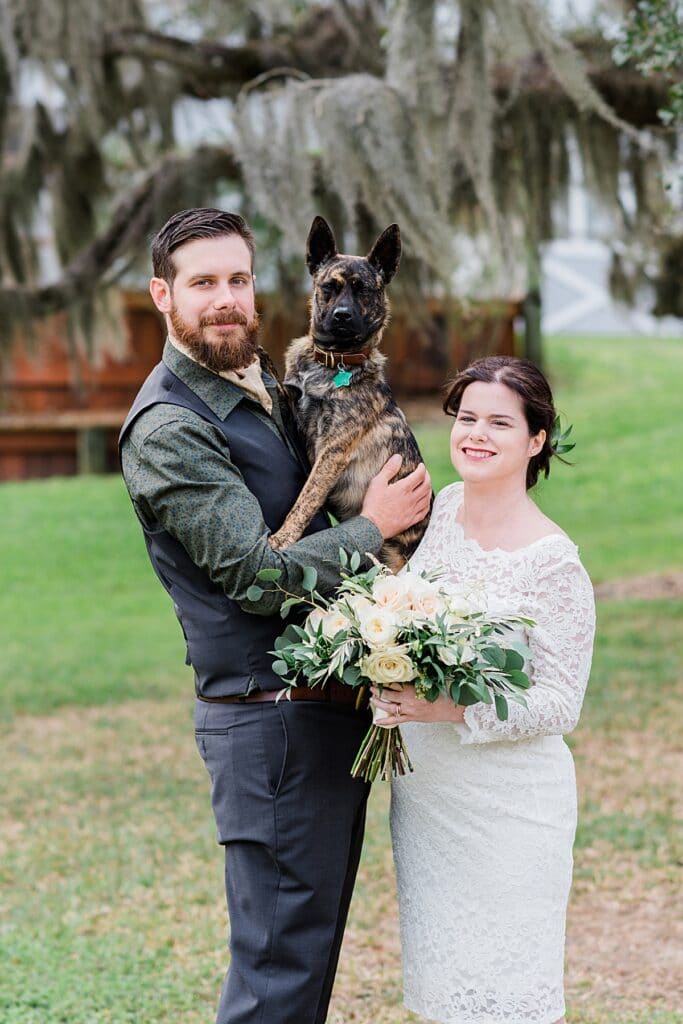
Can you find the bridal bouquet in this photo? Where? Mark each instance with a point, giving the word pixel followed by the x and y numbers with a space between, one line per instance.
pixel 391 630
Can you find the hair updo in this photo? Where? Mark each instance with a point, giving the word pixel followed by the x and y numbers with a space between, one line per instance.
pixel 527 381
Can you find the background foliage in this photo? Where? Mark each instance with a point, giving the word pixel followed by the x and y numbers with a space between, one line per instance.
pixel 457 118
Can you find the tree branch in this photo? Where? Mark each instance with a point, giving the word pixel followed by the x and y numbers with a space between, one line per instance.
pixel 323 46
pixel 155 197
pixel 326 47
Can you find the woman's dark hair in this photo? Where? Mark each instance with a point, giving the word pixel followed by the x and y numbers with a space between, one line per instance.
pixel 188 225
pixel 528 382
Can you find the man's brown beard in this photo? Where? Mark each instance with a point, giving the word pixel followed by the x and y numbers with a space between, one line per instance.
pixel 232 352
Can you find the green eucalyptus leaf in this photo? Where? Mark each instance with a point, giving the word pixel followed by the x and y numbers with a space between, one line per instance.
pixel 518 698
pixel 501 707
pixel 292 633
pixel 513 660
pixel 310 578
pixel 520 679
pixel 254 592
pixel 269 575
pixel 495 656
pixel 466 696
pixel 287 605
pixel 351 675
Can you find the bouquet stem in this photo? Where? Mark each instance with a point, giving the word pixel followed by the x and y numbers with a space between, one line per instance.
pixel 382 753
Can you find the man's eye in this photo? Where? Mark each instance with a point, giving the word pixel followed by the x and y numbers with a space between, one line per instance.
pixel 203 281
pixel 239 282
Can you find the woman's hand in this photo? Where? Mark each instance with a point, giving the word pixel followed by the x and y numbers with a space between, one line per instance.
pixel 402 705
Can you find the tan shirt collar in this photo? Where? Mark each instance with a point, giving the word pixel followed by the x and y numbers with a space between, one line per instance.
pixel 248 378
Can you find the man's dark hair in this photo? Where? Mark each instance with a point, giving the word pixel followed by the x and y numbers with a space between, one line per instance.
pixel 188 225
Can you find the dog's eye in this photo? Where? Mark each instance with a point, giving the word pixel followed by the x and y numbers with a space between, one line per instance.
pixel 329 288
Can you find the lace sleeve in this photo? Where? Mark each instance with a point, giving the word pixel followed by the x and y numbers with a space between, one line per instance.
pixel 561 645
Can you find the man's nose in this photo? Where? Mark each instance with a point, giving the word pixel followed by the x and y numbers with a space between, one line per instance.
pixel 223 296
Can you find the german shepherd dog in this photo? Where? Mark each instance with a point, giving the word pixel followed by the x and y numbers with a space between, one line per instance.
pixel 344 407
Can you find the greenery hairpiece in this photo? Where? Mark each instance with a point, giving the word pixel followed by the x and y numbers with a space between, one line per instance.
pixel 558 440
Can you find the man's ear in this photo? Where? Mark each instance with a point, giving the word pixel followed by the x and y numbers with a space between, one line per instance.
pixel 320 245
pixel 385 254
pixel 160 290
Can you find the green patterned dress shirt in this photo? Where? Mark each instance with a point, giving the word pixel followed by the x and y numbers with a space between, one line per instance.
pixel 180 477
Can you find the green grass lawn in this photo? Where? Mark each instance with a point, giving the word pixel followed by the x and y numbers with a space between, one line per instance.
pixel 84 619
pixel 110 879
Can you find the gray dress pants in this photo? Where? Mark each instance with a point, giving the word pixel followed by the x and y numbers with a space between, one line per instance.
pixel 291 820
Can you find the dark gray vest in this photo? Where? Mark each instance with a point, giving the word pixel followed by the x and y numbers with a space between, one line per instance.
pixel 227 647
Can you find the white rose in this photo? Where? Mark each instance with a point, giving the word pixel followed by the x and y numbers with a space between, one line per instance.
pixel 459 607
pixel 333 622
pixel 449 656
pixel 430 604
pixel 358 603
pixel 425 598
pixel 387 666
pixel 314 619
pixel 378 626
pixel 389 592
pixel 416 587
pixel 468 654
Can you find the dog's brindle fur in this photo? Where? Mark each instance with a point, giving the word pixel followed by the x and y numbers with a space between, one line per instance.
pixel 350 431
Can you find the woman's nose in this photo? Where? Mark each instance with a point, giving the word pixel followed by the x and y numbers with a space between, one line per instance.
pixel 478 431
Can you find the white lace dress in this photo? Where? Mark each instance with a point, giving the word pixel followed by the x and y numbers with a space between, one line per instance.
pixel 484 827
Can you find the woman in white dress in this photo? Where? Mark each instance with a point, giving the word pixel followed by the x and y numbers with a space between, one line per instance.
pixel 483 829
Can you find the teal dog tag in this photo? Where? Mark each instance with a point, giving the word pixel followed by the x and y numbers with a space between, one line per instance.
pixel 342 378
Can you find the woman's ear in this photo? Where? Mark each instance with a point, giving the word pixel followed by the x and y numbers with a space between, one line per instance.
pixel 536 443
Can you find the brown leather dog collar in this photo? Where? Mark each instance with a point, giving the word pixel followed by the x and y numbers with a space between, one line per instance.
pixel 334 359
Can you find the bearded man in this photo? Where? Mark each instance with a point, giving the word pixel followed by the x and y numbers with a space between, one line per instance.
pixel 213 463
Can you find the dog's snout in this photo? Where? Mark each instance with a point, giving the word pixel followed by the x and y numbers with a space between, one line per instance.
pixel 342 315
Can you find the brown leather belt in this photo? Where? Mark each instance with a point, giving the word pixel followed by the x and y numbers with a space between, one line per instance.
pixel 331 693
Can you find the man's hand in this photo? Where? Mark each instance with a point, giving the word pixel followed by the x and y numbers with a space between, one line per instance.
pixel 395 507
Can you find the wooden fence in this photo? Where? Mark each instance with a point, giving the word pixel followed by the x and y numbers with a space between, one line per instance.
pixel 60 414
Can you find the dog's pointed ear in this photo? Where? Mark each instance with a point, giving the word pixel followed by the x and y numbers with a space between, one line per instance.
pixel 385 254
pixel 320 244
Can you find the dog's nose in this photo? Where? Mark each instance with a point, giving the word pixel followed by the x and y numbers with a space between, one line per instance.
pixel 341 315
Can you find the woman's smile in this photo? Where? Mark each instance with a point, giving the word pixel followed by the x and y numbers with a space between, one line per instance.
pixel 477 453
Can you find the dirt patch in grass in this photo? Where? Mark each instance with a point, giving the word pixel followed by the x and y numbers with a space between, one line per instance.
pixel 643 588
pixel 625 923
pixel 624 939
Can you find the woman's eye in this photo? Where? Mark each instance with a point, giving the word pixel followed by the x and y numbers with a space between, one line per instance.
pixel 466 419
